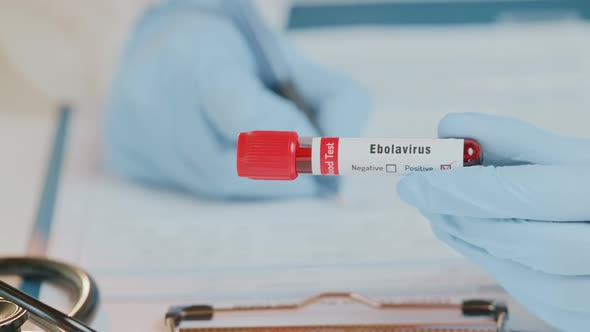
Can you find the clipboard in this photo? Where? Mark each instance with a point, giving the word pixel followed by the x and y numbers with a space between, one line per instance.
pixel 347 312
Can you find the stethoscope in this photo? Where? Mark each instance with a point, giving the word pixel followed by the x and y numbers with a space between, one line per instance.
pixel 16 307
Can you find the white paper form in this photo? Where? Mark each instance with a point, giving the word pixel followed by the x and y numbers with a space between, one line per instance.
pixel 150 249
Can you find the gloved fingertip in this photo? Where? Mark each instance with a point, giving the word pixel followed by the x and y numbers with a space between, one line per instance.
pixel 457 124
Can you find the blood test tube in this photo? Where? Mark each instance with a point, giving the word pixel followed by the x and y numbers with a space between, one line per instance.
pixel 283 155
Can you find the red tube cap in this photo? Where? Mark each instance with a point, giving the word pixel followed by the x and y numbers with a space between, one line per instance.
pixel 267 155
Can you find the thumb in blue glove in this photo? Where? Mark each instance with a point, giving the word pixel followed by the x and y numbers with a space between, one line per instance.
pixel 523 216
pixel 188 84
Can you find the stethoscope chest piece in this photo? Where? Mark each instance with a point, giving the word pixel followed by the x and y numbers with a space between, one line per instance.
pixel 12 317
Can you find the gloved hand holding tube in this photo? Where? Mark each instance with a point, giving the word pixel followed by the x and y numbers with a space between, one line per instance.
pixel 524 216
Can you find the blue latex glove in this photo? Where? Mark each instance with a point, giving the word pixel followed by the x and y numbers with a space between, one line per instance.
pixel 189 83
pixel 523 218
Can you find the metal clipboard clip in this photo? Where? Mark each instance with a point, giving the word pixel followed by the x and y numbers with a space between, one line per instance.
pixel 335 312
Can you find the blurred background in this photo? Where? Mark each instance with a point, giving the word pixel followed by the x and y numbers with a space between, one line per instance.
pixel 418 60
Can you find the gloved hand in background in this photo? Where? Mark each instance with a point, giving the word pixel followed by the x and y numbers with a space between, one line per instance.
pixel 189 83
pixel 524 218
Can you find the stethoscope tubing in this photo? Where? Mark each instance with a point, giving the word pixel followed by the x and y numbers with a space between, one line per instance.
pixel 45 316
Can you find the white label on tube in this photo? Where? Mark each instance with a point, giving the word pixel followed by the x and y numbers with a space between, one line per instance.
pixel 342 156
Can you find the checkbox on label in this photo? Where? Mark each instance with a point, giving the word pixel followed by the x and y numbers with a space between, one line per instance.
pixel 391 168
pixel 444 167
